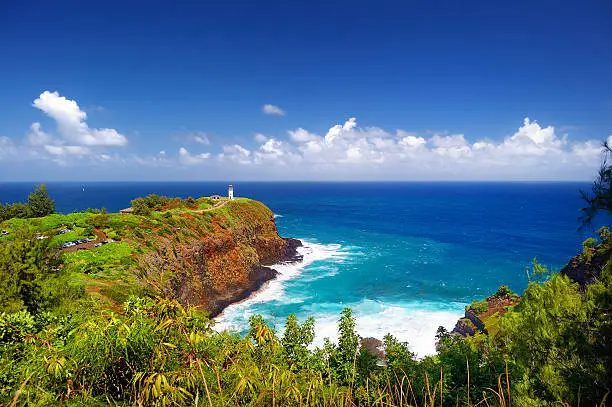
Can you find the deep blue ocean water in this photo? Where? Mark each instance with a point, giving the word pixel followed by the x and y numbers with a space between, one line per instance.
pixel 407 257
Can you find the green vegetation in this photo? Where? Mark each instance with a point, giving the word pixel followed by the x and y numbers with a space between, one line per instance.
pixel 504 292
pixel 30 275
pixel 479 307
pixel 599 199
pixel 144 206
pixel 61 345
pixel 39 204
pixel 553 346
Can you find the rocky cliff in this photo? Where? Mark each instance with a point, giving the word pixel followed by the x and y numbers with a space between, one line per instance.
pixel 586 269
pixel 213 258
pixel 482 316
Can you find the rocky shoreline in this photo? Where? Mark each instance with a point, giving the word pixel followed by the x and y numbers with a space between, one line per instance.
pixel 258 277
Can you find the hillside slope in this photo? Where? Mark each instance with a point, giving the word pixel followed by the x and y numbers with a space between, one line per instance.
pixel 200 252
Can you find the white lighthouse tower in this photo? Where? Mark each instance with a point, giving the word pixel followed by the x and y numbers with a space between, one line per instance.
pixel 230 192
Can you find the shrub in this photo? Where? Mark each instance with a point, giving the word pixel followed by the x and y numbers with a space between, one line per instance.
pixel 191 202
pixel 140 207
pixel 588 249
pixel 101 220
pixel 504 292
pixel 40 203
pixel 479 307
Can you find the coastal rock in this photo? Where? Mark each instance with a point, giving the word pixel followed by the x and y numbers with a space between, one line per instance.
pixel 374 347
pixel 217 258
pixel 485 320
pixel 465 327
pixel 583 272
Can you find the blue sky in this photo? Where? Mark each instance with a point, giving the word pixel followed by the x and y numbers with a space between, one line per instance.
pixel 438 90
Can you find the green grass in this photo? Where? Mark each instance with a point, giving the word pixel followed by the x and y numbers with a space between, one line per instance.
pixel 15 224
pixel 479 307
pixel 492 323
pixel 113 259
pixel 58 221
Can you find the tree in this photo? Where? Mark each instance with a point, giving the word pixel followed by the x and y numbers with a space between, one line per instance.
pixel 40 203
pixel 16 210
pixel 348 345
pixel 25 263
pixel 296 340
pixel 191 202
pixel 504 292
pixel 600 197
pixel 101 220
pixel 540 333
pixel 140 207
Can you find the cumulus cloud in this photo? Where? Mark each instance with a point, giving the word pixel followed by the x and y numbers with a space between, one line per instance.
pixel 37 137
pixel 301 135
pixel 260 138
pixel 186 158
pixel 71 122
pixel 346 150
pixel 7 147
pixel 349 151
pixel 409 140
pixel 338 130
pixel 62 151
pixel 276 152
pixel 235 153
pixel 273 110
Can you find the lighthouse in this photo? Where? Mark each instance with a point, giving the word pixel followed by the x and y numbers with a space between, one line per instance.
pixel 230 192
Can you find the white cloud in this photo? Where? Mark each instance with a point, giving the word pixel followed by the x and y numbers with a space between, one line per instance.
pixel 531 139
pixel 260 138
pixel 301 136
pixel 235 153
pixel 455 146
pixel 273 110
pixel 345 151
pixel 201 139
pixel 7 147
pixel 276 152
pixel 198 137
pixel 62 151
pixel 37 137
pixel 410 140
pixel 159 160
pixel 349 151
pixel 338 130
pixel 453 141
pixel 71 123
pixel 271 149
pixel 187 158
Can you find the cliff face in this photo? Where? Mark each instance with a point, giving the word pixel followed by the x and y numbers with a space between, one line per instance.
pixel 585 272
pixel 483 316
pixel 211 259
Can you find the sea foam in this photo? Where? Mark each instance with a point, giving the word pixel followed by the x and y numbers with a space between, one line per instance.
pixel 414 322
pixel 234 316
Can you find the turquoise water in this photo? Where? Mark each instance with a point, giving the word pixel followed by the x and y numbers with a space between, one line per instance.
pixel 407 257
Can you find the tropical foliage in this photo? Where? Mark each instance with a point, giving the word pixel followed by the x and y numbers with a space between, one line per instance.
pixel 39 204
pixel 553 346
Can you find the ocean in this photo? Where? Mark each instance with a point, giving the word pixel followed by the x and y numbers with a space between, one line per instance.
pixel 406 257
